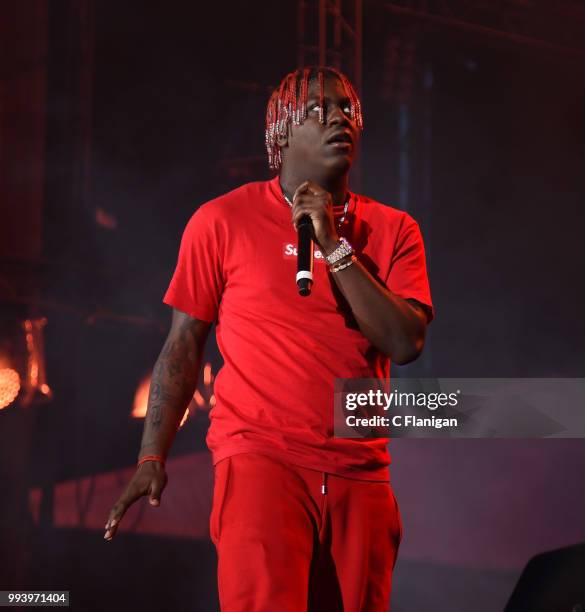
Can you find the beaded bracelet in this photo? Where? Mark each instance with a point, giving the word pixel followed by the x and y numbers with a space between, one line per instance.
pixel 342 266
pixel 146 458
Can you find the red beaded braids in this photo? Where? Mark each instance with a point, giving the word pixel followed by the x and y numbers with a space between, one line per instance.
pixel 288 103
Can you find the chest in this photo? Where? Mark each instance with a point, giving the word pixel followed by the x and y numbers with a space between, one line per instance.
pixel 261 266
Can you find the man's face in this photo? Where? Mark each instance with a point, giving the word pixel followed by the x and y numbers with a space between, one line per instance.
pixel 329 146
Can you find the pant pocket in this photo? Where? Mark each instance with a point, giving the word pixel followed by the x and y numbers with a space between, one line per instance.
pixel 221 478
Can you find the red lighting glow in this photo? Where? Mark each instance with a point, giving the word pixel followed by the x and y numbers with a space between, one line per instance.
pixel 203 398
pixel 141 398
pixel 185 417
pixel 9 386
pixel 207 375
pixel 36 376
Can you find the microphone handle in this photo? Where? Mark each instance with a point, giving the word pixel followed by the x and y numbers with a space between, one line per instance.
pixel 305 255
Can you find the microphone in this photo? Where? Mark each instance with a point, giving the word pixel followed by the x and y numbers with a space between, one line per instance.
pixel 305 255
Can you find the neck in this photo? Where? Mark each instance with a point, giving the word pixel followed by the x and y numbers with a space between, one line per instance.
pixel 336 186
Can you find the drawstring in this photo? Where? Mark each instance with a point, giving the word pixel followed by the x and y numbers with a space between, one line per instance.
pixel 324 520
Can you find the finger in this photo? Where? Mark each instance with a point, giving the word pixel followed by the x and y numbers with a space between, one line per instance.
pixel 300 189
pixel 311 200
pixel 156 490
pixel 118 511
pixel 314 189
pixel 302 208
pixel 113 524
pixel 308 207
pixel 298 203
pixel 298 213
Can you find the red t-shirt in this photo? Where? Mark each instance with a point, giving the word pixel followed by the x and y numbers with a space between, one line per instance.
pixel 282 352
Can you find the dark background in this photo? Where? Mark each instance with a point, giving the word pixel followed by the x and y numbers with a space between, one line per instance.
pixel 117 120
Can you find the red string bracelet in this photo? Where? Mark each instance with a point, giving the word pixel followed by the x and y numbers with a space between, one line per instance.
pixel 146 458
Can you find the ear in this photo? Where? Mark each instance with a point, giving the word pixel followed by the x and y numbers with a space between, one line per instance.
pixel 282 140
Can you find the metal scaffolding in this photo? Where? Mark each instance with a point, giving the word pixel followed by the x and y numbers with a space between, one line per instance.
pixel 330 33
pixel 555 27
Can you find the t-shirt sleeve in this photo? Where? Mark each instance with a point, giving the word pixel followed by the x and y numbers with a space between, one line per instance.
pixel 197 283
pixel 408 270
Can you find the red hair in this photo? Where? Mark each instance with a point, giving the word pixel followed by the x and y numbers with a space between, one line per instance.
pixel 288 103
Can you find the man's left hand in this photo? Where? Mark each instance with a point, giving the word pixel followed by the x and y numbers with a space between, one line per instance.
pixel 312 200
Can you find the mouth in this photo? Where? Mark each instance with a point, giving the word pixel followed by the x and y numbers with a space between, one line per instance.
pixel 340 140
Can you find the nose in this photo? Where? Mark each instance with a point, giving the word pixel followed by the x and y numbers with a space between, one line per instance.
pixel 336 116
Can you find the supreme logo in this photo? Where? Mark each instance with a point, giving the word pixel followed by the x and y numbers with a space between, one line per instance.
pixel 289 251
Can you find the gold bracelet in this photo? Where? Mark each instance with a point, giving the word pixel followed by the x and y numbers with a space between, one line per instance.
pixel 342 266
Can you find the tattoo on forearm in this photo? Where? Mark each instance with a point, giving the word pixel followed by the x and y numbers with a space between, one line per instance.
pixel 156 414
pixel 173 381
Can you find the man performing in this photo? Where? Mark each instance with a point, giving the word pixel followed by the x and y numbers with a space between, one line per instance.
pixel 301 520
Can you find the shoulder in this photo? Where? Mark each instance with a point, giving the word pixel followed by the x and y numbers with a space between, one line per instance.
pixel 233 201
pixel 380 214
pixel 226 209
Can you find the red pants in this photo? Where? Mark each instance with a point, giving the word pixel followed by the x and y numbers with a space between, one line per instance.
pixel 292 539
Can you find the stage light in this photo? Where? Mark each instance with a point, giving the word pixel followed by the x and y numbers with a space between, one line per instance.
pixel 141 401
pixel 22 362
pixel 207 375
pixel 141 398
pixel 36 376
pixel 205 399
pixel 9 386
pixel 202 399
pixel 185 417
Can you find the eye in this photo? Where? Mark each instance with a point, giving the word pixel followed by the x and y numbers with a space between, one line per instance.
pixel 314 107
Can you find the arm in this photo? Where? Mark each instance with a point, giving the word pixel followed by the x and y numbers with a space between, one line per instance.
pixel 173 384
pixel 395 326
